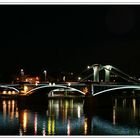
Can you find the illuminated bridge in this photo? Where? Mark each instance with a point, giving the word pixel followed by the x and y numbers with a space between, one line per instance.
pixel 82 87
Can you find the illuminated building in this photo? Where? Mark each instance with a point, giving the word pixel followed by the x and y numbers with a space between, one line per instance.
pixel 29 79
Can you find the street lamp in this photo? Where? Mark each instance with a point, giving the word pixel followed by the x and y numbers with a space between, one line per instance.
pixel 22 74
pixel 45 74
pixel 88 67
pixel 79 78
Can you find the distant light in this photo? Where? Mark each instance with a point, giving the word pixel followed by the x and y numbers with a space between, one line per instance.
pixel 9 92
pixel 37 78
pixel 45 71
pixel 69 84
pixel 22 72
pixel 13 92
pixel 4 92
pixel 50 84
pixel 79 78
pixel 25 89
pixel 53 84
pixel 88 67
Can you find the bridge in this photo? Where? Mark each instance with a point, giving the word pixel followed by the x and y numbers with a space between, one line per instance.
pixel 83 86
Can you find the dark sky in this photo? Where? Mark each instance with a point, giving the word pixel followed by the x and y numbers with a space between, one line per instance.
pixel 69 37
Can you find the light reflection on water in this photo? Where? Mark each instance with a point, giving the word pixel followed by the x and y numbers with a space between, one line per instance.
pixel 67 117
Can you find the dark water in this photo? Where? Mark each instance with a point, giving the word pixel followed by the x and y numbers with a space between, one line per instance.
pixel 69 117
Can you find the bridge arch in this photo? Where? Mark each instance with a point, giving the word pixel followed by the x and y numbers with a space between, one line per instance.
pixel 7 87
pixel 117 88
pixel 53 87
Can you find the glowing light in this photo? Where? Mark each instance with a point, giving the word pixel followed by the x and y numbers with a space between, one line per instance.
pixel 24 121
pixel 9 92
pixel 68 128
pixel 13 107
pixel 71 103
pixel 50 84
pixel 114 115
pixel 49 126
pixel 69 84
pixel 20 132
pixel 45 74
pixel 85 90
pixel 37 78
pixel 78 111
pixel 85 126
pixel 134 106
pixel 44 129
pixel 22 72
pixel 88 67
pixel 45 71
pixel 53 84
pixel 35 124
pixel 17 115
pixel 66 104
pixel 25 89
pixel 4 108
pixel 113 89
pixel 9 107
pixel 36 84
pixel 10 88
pixel 79 78
pixel 59 86
pixel 13 92
pixel 4 92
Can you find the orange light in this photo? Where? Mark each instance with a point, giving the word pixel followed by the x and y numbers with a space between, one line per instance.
pixel 37 78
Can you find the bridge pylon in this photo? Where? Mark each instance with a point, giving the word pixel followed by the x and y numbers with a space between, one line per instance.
pixel 107 69
pixel 96 69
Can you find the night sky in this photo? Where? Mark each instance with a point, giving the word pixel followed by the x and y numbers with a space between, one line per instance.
pixel 68 38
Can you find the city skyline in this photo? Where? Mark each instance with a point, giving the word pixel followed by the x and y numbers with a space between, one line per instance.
pixel 68 38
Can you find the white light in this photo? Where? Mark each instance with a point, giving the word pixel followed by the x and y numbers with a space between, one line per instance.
pixel 88 67
pixel 53 84
pixel 79 78
pixel 78 111
pixel 50 84
pixel 69 84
